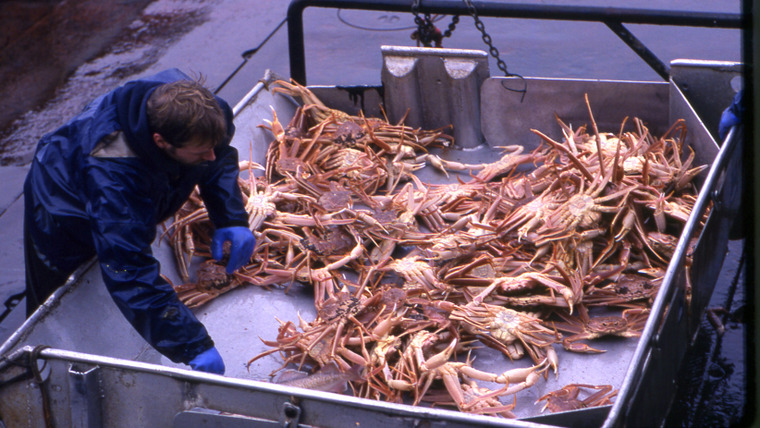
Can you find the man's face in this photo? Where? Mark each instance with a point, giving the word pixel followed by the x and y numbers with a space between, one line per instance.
pixel 193 153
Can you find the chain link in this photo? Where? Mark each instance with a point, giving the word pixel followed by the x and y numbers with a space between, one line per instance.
pixel 452 26
pixel 415 7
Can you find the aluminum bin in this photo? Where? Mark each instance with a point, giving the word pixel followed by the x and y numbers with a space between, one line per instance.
pixel 77 362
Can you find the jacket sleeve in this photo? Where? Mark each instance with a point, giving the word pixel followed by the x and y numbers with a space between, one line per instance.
pixel 219 187
pixel 121 211
pixel 221 193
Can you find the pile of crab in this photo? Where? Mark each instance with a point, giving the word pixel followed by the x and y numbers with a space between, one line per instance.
pixel 409 277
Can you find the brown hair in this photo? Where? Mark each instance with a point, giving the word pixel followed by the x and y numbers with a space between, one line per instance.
pixel 184 112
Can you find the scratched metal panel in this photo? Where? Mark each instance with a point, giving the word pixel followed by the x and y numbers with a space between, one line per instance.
pixel 507 118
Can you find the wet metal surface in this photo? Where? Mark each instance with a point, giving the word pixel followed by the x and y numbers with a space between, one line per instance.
pixel 713 381
pixel 343 48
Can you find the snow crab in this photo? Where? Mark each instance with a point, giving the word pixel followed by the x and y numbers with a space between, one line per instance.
pixel 212 281
pixel 583 327
pixel 630 290
pixel 510 331
pixel 566 398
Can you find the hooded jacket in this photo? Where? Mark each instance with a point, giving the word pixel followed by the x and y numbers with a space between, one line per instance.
pixel 86 197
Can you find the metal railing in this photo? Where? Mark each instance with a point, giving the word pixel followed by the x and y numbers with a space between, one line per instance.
pixel 613 18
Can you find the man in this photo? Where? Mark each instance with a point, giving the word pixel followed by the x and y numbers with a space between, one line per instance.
pixel 100 184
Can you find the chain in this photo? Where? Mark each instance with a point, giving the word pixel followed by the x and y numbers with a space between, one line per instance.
pixel 452 26
pixel 491 48
pixel 427 33
pixel 486 37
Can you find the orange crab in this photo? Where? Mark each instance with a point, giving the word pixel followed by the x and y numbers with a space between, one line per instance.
pixel 583 327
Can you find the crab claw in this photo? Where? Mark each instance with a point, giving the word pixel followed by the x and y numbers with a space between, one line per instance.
pixel 552 360
pixel 569 298
pixel 275 126
pixel 247 164
pixel 580 347
pixel 440 358
pixel 437 162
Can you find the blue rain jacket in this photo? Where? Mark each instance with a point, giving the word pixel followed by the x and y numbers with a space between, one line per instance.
pixel 78 205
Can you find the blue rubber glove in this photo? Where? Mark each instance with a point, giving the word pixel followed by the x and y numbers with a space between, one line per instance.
pixel 731 116
pixel 208 361
pixel 242 241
